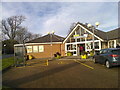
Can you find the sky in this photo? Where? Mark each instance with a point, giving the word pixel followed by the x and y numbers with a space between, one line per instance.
pixel 43 17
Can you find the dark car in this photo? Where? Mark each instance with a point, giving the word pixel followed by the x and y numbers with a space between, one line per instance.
pixel 109 57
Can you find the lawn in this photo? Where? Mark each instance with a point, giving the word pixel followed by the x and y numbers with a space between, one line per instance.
pixel 7 62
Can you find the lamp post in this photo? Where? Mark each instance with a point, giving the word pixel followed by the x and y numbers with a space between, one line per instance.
pixel 4 48
pixel 93 29
pixel 51 33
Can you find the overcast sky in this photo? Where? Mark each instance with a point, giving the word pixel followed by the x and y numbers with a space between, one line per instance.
pixel 43 17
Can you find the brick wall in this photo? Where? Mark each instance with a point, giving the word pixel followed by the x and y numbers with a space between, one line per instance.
pixel 48 50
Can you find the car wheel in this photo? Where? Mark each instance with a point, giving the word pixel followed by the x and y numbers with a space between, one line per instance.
pixel 107 64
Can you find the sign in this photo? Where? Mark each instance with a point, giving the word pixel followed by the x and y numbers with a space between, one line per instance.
pixel 80 37
pixel 41 48
pixel 29 49
pixel 35 48
pixel 76 35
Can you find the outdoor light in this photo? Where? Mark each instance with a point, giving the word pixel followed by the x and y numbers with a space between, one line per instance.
pixel 93 29
pixel 48 32
pixel 85 35
pixel 51 36
pixel 97 23
pixel 89 25
pixel 4 48
pixel 53 32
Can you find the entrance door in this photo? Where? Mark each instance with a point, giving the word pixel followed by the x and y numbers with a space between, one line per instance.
pixel 80 49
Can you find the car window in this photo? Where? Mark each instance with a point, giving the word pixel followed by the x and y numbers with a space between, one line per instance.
pixel 103 51
pixel 116 51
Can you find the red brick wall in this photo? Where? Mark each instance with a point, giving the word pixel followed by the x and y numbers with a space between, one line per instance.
pixel 48 50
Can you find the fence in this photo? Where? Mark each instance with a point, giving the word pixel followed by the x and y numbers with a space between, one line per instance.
pixel 20 55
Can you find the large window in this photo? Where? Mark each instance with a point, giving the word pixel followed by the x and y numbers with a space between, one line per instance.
pixel 89 45
pixel 112 44
pixel 35 48
pixel 96 45
pixel 41 48
pixel 71 47
pixel 29 49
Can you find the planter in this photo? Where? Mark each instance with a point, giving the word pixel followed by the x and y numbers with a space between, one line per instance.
pixel 69 54
pixel 30 57
pixel 84 56
pixel 91 53
pixel 58 57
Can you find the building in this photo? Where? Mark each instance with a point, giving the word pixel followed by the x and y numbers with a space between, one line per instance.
pixel 77 37
pixel 43 47
pixel 80 35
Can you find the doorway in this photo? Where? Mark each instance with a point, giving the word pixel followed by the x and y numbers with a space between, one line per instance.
pixel 80 49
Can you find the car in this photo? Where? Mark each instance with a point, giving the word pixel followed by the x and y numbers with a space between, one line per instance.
pixel 109 57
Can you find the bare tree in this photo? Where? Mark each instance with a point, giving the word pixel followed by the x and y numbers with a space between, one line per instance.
pixel 71 27
pixel 12 29
pixel 11 25
pixel 34 36
pixel 23 35
pixel 31 36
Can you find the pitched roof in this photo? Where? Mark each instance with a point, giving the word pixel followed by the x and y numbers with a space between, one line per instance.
pixel 47 38
pixel 97 32
pixel 113 34
pixel 100 34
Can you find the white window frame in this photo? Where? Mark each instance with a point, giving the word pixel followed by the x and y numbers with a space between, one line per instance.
pixel 28 50
pixel 41 48
pixel 35 49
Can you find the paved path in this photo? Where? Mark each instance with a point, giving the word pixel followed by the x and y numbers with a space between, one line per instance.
pixel 62 74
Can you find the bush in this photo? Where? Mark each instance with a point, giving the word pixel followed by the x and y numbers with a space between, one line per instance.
pixel 9 48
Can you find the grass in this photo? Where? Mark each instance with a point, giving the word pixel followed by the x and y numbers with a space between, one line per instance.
pixel 7 62
pixel 6 88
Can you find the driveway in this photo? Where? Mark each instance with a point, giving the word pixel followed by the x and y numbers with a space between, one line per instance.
pixel 62 74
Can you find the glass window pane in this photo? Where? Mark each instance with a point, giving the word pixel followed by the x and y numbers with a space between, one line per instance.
pixel 35 48
pixel 116 51
pixel 41 48
pixel 29 49
pixel 96 45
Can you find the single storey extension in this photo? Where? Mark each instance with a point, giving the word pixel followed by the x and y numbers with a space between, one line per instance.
pixel 46 46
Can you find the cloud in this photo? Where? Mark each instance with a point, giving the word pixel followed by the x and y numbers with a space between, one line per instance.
pixel 43 17
pixel 61 1
pixel 85 13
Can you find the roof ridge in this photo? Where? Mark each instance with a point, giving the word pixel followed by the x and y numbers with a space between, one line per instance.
pixel 114 29
pixel 46 38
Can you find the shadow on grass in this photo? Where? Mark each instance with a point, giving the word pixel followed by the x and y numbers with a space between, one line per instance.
pixel 20 81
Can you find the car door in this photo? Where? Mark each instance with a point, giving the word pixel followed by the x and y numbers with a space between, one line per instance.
pixel 98 56
pixel 103 55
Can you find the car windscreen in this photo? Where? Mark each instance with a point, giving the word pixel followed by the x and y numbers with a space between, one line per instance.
pixel 116 51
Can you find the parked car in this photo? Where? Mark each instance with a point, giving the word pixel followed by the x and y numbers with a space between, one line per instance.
pixel 109 57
